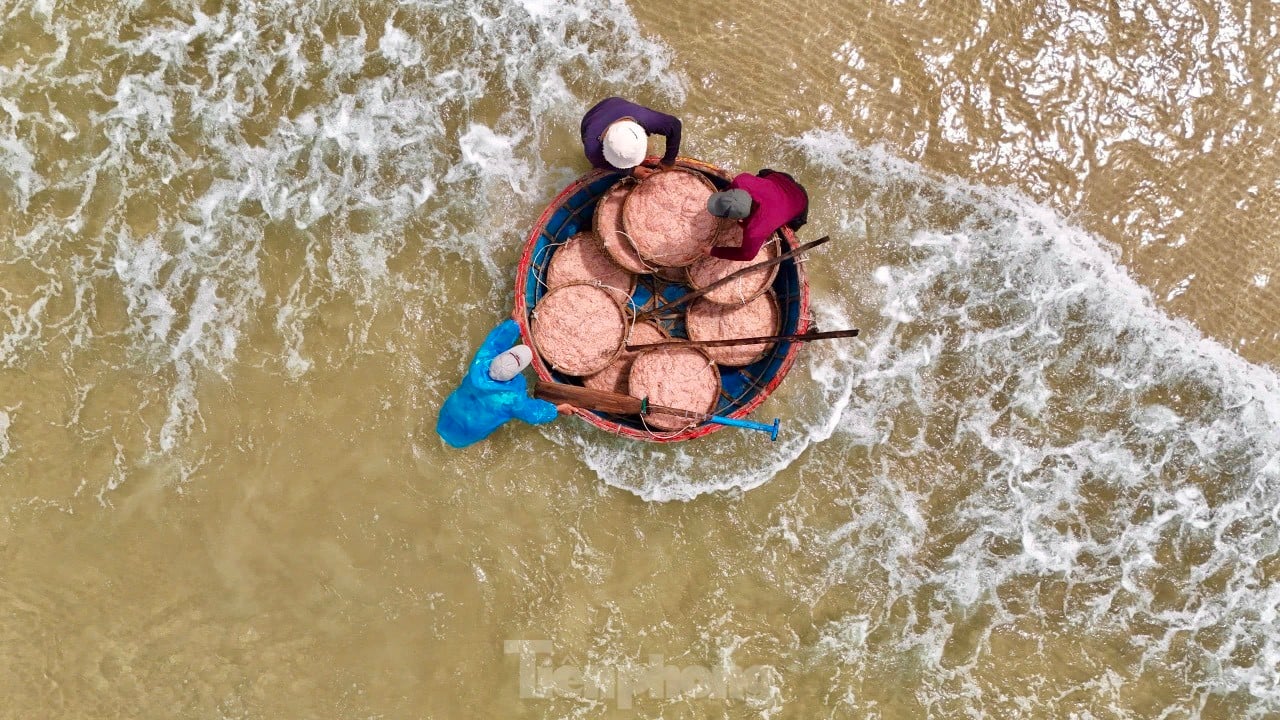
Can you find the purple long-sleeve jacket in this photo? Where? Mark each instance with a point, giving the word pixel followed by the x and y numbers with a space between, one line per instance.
pixel 607 111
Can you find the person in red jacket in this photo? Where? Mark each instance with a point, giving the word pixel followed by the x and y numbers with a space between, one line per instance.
pixel 764 203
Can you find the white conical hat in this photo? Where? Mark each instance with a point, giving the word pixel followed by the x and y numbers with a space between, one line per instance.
pixel 625 144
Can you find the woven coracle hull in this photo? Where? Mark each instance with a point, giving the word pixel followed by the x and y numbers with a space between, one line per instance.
pixel 743 389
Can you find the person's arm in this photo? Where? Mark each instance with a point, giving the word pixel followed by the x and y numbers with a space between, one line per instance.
pixel 534 411
pixel 752 240
pixel 668 126
pixel 673 141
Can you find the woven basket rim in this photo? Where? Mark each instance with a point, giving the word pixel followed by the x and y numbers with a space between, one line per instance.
pixel 627 202
pixel 613 301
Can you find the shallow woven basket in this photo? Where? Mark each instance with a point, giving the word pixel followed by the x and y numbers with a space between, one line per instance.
pixel 683 422
pixel 538 342
pixel 591 237
pixel 649 260
pixel 632 264
pixel 595 382
pixel 777 312
pixel 773 247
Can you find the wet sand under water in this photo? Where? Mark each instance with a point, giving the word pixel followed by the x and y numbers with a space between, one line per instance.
pixel 239 287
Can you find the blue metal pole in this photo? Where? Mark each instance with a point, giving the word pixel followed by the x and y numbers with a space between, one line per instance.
pixel 646 408
pixel 749 425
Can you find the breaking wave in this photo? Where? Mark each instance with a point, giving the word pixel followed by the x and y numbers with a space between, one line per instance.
pixel 244 173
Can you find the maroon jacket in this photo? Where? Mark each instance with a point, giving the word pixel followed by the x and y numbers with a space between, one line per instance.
pixel 776 200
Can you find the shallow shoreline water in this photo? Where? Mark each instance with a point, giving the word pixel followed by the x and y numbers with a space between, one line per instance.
pixel 247 248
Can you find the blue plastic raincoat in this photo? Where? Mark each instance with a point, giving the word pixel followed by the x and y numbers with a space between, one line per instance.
pixel 482 404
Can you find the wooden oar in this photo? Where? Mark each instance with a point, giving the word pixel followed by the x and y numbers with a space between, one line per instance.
pixel 729 278
pixel 587 398
pixel 729 342
pixel 619 404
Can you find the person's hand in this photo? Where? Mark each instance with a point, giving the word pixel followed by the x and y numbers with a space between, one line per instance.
pixel 566 409
pixel 641 172
pixel 666 166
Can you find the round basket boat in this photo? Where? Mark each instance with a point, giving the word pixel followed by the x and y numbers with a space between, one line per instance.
pixel 743 389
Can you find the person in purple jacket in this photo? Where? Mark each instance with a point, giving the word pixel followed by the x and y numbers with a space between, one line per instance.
pixel 615 134
pixel 763 203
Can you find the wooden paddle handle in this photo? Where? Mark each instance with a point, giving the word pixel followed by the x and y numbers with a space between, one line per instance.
pixel 605 401
pixel 587 398
pixel 729 342
pixel 730 277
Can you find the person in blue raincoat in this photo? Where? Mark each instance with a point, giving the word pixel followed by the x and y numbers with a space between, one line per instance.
pixel 494 392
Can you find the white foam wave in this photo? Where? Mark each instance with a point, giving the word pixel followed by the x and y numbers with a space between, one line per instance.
pixel 5 445
pixel 17 166
pixel 295 141
pixel 1083 445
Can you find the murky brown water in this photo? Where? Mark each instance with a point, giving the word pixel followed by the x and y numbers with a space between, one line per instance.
pixel 247 249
